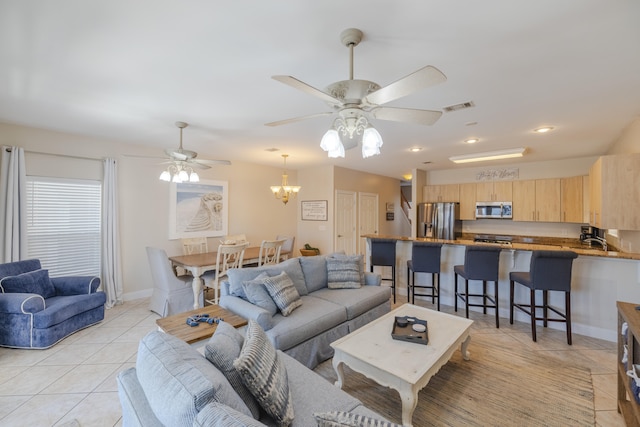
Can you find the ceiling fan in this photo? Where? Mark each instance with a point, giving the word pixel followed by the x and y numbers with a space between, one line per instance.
pixel 181 163
pixel 355 101
pixel 181 155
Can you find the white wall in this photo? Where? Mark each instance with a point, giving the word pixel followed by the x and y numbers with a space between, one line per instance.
pixel 144 200
pixel 317 184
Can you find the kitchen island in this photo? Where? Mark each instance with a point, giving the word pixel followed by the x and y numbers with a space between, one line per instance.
pixel 600 278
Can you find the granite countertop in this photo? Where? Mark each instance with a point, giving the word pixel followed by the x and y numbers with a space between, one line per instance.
pixel 526 243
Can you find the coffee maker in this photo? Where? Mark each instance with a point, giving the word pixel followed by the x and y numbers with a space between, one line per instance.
pixel 588 232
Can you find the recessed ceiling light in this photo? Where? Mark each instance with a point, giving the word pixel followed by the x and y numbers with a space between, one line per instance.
pixel 471 140
pixel 543 129
pixel 271 150
pixel 415 149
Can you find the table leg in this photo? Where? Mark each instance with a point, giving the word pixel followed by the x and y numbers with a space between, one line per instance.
pixel 338 366
pixel 409 399
pixel 465 353
pixel 197 286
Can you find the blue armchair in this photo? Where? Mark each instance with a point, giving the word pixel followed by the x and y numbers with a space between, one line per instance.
pixel 37 311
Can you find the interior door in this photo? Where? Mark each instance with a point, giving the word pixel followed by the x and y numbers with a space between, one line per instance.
pixel 368 218
pixel 345 224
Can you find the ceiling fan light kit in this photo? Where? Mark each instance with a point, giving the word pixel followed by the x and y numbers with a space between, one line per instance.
pixel 181 163
pixel 355 100
pixel 489 155
pixel 284 191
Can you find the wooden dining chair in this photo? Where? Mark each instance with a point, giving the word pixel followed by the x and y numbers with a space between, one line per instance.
pixel 194 245
pixel 234 239
pixel 287 247
pixel 270 252
pixel 228 256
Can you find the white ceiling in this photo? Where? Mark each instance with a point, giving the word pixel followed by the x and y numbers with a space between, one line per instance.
pixel 127 70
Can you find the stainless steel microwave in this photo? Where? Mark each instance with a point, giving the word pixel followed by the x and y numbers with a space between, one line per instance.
pixel 494 210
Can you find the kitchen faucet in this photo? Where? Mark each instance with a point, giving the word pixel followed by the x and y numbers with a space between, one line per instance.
pixel 598 240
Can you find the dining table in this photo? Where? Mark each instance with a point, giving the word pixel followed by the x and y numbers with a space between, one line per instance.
pixel 198 264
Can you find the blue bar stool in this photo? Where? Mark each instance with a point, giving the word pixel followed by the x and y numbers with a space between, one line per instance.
pixel 480 263
pixel 425 258
pixel 548 271
pixel 383 254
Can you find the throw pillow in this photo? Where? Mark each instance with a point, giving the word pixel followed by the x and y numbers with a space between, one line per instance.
pixel 349 419
pixel 222 350
pixel 31 282
pixel 218 415
pixel 265 375
pixel 283 292
pixel 257 293
pixel 343 272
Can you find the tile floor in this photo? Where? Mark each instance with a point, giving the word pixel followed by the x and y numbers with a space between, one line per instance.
pixel 75 379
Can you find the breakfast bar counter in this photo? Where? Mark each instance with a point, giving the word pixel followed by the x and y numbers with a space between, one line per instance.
pixel 599 279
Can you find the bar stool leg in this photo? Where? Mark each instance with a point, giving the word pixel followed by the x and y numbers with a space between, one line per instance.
pixel 533 314
pixel 511 289
pixel 455 293
pixel 437 275
pixel 466 294
pixel 484 297
pixel 545 304
pixel 495 286
pixel 567 304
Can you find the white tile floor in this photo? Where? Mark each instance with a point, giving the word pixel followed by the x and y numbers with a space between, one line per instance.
pixel 75 379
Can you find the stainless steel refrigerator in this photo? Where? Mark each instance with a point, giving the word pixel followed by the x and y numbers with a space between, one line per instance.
pixel 439 220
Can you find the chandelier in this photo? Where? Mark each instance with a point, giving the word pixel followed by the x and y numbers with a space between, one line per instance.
pixel 285 191
pixel 179 172
pixel 351 128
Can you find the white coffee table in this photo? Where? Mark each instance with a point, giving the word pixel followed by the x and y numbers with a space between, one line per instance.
pixel 404 366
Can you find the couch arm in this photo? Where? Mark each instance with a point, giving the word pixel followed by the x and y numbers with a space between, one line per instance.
pixel 75 285
pixel 372 279
pixel 20 303
pixel 247 310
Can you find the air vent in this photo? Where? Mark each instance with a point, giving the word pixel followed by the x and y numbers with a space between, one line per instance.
pixel 458 107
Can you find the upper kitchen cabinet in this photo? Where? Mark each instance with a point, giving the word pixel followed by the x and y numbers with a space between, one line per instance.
pixel 494 191
pixel 441 193
pixel 537 200
pixel 615 193
pixel 571 202
pixel 468 201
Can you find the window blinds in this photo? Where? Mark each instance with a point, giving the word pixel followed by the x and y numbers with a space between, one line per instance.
pixel 63 225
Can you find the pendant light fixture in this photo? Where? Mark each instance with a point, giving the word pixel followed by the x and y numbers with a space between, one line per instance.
pixel 284 191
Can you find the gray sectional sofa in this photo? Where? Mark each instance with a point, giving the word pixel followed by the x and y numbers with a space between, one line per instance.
pixel 175 385
pixel 324 315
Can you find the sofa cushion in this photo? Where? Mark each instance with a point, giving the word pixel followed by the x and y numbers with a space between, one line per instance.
pixel 218 415
pixel 316 316
pixel 178 382
pixel 291 266
pixel 314 269
pixel 257 293
pixel 356 301
pixel 31 282
pixel 222 350
pixel 265 375
pixel 343 273
pixel 349 419
pixel 283 292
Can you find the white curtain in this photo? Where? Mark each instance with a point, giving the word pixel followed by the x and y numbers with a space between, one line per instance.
pixel 111 266
pixel 13 225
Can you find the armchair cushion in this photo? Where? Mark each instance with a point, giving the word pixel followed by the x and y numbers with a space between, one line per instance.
pixel 31 282
pixel 75 285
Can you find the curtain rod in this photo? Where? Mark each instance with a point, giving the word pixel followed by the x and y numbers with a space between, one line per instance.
pixel 98 159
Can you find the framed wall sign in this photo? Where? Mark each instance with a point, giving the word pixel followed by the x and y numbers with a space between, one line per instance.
pixel 198 209
pixel 314 210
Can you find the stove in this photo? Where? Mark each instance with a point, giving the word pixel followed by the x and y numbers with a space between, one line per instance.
pixel 493 239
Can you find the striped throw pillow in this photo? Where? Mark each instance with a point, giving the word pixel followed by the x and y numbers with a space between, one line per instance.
pixel 348 419
pixel 343 272
pixel 283 292
pixel 265 375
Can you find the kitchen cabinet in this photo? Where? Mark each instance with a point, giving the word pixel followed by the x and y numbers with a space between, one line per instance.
pixel 495 191
pixel 441 193
pixel 537 200
pixel 571 201
pixel 627 405
pixel 615 193
pixel 468 201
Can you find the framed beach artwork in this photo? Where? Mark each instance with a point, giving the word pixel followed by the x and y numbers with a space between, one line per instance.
pixel 198 209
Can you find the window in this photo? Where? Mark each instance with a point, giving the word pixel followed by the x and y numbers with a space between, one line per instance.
pixel 63 225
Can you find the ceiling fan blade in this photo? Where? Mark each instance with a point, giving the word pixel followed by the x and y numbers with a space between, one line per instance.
pixel 198 165
pixel 213 162
pixel 423 78
pixel 407 115
pixel 297 119
pixel 300 85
